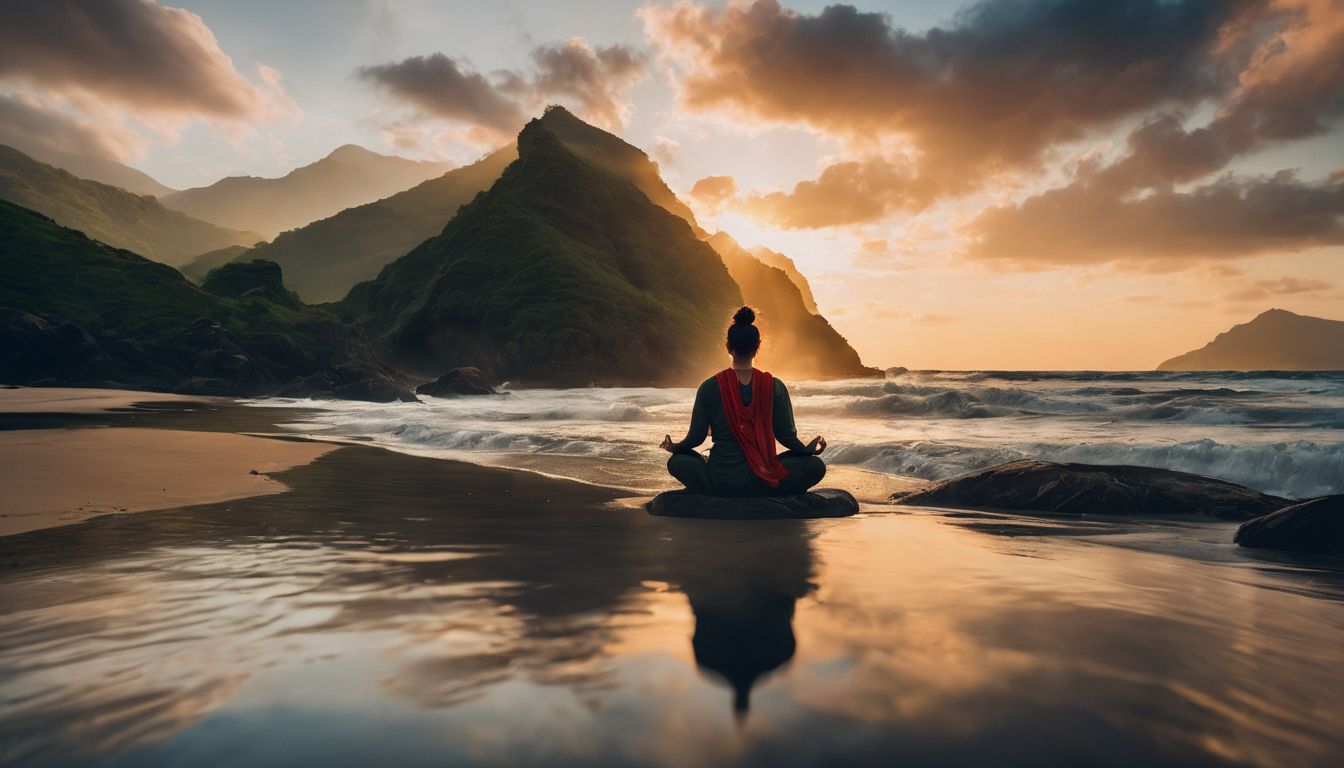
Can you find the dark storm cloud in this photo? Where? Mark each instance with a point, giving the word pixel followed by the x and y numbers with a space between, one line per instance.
pixel 1006 81
pixel 1010 80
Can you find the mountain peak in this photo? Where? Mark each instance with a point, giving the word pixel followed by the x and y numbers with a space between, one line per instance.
pixel 1275 312
pixel 351 151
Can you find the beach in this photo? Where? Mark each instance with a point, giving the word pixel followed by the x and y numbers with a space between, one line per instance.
pixel 352 604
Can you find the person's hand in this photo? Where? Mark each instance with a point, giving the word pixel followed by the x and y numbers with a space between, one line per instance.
pixel 666 445
pixel 817 445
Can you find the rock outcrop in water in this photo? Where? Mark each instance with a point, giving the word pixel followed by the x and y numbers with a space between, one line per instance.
pixel 459 381
pixel 79 313
pixel 1315 526
pixel 1090 489
pixel 826 502
pixel 1276 340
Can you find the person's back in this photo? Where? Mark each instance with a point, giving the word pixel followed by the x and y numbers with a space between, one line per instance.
pixel 742 460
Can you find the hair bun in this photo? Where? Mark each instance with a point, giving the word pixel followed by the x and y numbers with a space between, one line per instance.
pixel 744 316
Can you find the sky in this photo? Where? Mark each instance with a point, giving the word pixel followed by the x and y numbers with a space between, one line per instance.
pixel 1016 184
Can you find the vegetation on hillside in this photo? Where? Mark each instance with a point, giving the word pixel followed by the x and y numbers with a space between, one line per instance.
pixel 123 220
pixel 76 311
pixel 562 273
pixel 323 260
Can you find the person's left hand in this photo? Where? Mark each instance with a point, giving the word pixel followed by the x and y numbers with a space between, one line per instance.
pixel 666 445
pixel 817 445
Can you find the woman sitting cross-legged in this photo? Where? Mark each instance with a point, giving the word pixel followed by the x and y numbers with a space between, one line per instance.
pixel 748 410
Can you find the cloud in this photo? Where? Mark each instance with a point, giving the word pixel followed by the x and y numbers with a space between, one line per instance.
pixel 35 127
pixel 443 87
pixel 1003 83
pixel 596 79
pixel 100 77
pixel 132 53
pixel 1229 218
pixel 1284 286
pixel 996 93
pixel 850 192
pixel 591 81
pixel 714 191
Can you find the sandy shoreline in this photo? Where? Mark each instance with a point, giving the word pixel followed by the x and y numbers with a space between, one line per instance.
pixel 83 399
pixel 72 454
pixel 62 476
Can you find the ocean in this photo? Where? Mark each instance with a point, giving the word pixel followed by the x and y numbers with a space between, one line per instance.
pixel 1280 433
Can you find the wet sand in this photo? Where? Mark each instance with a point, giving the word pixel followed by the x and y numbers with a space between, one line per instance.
pixel 62 476
pixel 392 609
pixel 83 399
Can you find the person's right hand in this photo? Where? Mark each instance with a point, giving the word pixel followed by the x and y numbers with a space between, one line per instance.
pixel 666 445
pixel 817 445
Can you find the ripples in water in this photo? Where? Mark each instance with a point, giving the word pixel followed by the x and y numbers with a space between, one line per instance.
pixel 380 614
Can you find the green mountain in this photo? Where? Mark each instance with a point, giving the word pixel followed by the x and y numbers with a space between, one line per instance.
pixel 795 342
pixel 200 266
pixel 1275 340
pixel 798 343
pixel 349 176
pixel 99 169
pixel 324 259
pixel 74 311
pixel 110 214
pixel 615 156
pixel 563 273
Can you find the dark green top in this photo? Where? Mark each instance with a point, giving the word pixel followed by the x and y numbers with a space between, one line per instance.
pixel 726 462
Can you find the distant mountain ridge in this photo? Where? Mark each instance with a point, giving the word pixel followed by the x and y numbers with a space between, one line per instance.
pixel 349 176
pixel 101 170
pixel 1275 340
pixel 119 218
pixel 324 259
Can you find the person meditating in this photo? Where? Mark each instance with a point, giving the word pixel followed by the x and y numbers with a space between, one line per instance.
pixel 748 410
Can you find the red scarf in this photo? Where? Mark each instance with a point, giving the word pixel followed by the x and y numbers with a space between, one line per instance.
pixel 753 425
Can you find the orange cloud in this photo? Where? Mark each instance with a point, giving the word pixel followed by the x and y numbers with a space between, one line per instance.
pixel 133 53
pixel 1089 223
pixel 992 92
pixel 845 193
pixel 714 191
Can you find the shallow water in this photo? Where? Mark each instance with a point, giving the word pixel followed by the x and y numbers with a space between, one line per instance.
pixel 402 611
pixel 1280 433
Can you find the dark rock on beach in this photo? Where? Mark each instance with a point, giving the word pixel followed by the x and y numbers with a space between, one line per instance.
pixel 1078 489
pixel 459 381
pixel 826 502
pixel 1315 526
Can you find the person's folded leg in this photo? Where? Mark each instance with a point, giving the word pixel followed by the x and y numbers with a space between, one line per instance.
pixel 804 471
pixel 690 470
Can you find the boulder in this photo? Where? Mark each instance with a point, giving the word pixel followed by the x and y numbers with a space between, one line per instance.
pixel 826 502
pixel 1315 526
pixel 459 381
pixel 1078 489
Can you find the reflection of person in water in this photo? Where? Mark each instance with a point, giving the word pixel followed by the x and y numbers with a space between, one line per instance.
pixel 748 410
pixel 742 590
